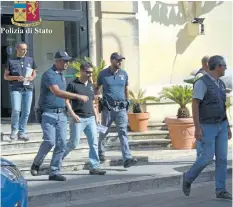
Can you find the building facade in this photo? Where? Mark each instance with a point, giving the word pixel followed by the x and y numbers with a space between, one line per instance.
pixel 160 42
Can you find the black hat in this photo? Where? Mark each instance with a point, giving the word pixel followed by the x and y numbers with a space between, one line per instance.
pixel 62 55
pixel 116 56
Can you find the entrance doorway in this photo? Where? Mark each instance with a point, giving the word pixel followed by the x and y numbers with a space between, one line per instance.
pixel 6 41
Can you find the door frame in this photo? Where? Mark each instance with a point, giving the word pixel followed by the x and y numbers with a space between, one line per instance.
pixel 57 15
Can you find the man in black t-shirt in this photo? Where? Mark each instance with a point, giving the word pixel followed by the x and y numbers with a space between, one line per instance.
pixel 84 117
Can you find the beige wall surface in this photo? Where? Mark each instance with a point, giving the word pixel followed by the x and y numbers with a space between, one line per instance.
pixel 167 52
pixel 45 46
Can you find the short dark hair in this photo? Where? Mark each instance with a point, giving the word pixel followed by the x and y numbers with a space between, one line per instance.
pixel 215 61
pixel 85 65
pixel 20 43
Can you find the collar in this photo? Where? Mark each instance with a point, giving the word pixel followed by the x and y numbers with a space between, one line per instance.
pixel 77 80
pixel 109 70
pixel 55 70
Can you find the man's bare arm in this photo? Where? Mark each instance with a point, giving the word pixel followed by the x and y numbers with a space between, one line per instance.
pixel 195 111
pixel 97 90
pixel 67 95
pixel 8 77
pixel 69 107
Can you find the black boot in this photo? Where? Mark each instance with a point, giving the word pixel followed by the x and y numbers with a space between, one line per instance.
pixel 34 169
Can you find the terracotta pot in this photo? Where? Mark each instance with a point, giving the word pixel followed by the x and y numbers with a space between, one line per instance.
pixel 138 122
pixel 181 132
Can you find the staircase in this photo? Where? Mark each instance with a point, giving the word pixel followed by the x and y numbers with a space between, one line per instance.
pixel 22 153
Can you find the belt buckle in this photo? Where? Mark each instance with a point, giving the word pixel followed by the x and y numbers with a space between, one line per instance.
pixel 58 110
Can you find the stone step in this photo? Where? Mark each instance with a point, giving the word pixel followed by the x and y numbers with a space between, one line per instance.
pixel 35 142
pixel 21 148
pixel 34 129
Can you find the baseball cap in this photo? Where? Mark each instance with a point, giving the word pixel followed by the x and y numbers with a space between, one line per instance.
pixel 116 56
pixel 62 55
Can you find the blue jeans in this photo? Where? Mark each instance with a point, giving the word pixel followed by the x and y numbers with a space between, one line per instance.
pixel 198 148
pixel 214 141
pixel 120 117
pixel 88 125
pixel 21 102
pixel 54 126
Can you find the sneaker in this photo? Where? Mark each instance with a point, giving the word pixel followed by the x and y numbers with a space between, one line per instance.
pixel 57 177
pixel 24 137
pixel 186 187
pixel 97 171
pixel 34 169
pixel 102 158
pixel 13 136
pixel 224 195
pixel 130 162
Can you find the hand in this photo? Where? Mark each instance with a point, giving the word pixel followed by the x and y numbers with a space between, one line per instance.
pixel 229 133
pixel 198 133
pixel 29 78
pixel 83 98
pixel 76 118
pixel 21 78
pixel 97 119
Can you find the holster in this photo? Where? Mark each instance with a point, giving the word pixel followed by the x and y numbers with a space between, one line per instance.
pixel 100 105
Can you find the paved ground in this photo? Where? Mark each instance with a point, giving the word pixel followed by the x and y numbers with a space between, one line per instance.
pixel 202 195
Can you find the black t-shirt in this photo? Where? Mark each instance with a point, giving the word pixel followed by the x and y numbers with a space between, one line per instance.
pixel 82 109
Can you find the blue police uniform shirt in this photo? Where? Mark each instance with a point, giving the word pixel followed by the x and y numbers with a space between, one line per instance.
pixel 18 67
pixel 47 99
pixel 113 84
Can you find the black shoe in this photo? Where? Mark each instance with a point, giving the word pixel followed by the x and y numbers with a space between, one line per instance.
pixel 186 187
pixel 130 162
pixel 34 169
pixel 97 171
pixel 102 158
pixel 57 178
pixel 224 195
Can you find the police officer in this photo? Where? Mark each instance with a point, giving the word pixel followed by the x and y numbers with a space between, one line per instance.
pixel 20 73
pixel 204 69
pixel 211 126
pixel 116 101
pixel 54 120
pixel 84 117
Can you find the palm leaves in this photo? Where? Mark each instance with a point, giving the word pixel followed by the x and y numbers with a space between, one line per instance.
pixel 96 69
pixel 138 99
pixel 182 95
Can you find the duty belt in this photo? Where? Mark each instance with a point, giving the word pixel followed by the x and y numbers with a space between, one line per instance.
pixel 58 110
pixel 116 103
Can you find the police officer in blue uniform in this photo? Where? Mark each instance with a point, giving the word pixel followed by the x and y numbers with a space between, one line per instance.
pixel 212 129
pixel 20 73
pixel 116 101
pixel 54 119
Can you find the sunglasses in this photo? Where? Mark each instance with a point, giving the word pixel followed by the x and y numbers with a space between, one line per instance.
pixel 89 72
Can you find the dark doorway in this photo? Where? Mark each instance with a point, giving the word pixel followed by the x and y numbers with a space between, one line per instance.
pixel 6 41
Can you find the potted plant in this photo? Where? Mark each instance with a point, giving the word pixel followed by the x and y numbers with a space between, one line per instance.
pixel 138 119
pixel 181 128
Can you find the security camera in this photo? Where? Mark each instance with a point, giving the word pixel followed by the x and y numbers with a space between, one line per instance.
pixel 198 20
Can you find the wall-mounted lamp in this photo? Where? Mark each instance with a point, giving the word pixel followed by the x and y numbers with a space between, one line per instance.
pixel 196 27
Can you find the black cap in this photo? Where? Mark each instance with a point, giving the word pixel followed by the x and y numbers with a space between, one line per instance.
pixel 116 56
pixel 62 55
